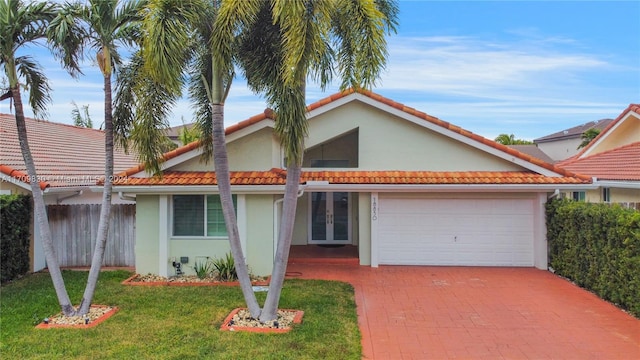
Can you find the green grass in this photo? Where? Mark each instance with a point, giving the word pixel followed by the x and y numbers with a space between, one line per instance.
pixel 170 322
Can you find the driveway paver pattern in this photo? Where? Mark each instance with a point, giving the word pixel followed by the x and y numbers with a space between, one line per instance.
pixel 423 312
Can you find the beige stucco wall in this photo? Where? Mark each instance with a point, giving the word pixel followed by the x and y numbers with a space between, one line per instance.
pixel 8 188
pixel 618 195
pixel 390 143
pixel 252 152
pixel 626 132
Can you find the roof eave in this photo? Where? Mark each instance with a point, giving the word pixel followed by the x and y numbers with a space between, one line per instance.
pixel 279 189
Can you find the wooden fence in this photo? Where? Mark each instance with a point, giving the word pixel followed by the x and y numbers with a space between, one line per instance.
pixel 74 229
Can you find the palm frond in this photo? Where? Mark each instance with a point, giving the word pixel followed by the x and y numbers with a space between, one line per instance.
pixel 37 84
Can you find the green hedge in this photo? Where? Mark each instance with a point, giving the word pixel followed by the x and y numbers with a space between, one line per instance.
pixel 598 247
pixel 15 219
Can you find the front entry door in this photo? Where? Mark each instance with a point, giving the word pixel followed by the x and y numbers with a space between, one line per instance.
pixel 330 218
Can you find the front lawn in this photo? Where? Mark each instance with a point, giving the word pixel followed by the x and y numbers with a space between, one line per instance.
pixel 169 322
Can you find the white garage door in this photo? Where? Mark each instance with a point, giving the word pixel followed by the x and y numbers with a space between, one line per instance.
pixel 484 232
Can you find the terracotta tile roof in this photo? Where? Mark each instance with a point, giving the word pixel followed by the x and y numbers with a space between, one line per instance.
pixel 622 163
pixel 575 131
pixel 19 176
pixel 64 155
pixel 268 114
pixel 278 177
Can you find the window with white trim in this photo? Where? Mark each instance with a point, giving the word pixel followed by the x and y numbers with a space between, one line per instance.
pixel 199 215
pixel 606 194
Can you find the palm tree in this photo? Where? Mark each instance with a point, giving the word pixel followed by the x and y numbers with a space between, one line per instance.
pixel 101 26
pixel 301 39
pixel 506 139
pixel 588 136
pixel 22 25
pixel 179 33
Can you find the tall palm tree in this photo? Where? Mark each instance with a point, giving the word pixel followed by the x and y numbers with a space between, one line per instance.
pixel 302 39
pixel 179 33
pixel 102 27
pixel 23 25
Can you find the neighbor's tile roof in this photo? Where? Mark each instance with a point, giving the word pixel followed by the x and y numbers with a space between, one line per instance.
pixel 268 114
pixel 64 155
pixel 575 131
pixel 622 163
pixel 278 177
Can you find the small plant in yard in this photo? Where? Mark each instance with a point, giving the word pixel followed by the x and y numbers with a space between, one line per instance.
pixel 225 268
pixel 203 269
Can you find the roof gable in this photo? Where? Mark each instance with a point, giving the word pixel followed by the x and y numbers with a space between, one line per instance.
pixel 625 129
pixel 410 114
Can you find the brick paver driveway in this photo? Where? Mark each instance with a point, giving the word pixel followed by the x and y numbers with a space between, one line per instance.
pixel 480 313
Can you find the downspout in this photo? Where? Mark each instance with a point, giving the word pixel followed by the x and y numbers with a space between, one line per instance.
pixel 555 194
pixel 275 218
pixel 61 199
pixel 122 196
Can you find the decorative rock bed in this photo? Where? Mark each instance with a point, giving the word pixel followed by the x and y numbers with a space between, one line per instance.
pixel 185 280
pixel 97 314
pixel 240 320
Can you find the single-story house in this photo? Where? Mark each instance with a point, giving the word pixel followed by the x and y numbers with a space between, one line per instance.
pixel 68 159
pixel 402 186
pixel 612 159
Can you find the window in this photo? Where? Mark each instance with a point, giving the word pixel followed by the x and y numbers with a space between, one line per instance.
pixel 606 195
pixel 199 215
pixel 579 195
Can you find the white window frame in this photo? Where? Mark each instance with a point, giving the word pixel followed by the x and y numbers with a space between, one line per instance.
pixel 204 236
pixel 606 195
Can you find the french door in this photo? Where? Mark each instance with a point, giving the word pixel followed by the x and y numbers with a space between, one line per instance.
pixel 330 218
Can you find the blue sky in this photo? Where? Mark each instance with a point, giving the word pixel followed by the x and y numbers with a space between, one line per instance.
pixel 491 67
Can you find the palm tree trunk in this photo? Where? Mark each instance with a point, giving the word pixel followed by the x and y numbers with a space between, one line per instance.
pixel 40 209
pixel 105 210
pixel 270 309
pixel 221 163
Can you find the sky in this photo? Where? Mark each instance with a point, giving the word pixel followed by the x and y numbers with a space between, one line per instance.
pixel 528 68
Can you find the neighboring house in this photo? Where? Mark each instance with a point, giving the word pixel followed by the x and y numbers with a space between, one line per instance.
pixel 613 160
pixel 401 185
pixel 69 161
pixel 564 144
pixel 533 150
pixel 173 133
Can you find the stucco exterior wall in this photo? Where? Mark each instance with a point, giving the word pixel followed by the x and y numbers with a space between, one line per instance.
pixel 259 233
pixel 147 234
pixel 387 142
pixel 627 132
pixel 364 228
pixel 560 149
pixel 252 152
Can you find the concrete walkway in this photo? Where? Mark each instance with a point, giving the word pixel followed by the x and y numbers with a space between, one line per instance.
pixel 480 313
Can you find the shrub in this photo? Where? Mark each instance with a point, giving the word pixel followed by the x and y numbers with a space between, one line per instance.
pixel 203 269
pixel 598 247
pixel 15 220
pixel 225 268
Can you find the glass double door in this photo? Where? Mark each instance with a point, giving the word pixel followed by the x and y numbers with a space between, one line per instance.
pixel 330 218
